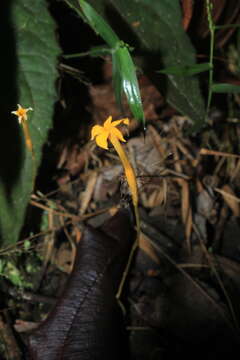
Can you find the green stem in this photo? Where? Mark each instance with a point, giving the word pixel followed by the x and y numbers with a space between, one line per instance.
pixel 212 34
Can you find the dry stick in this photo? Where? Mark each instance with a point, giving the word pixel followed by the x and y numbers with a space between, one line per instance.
pixel 184 150
pixel 235 171
pixel 72 243
pixel 66 214
pixel 87 194
pixel 53 192
pixel 186 211
pixel 204 151
pixel 56 212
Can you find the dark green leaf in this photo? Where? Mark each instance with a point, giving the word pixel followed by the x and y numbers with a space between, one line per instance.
pixel 186 70
pixel 225 88
pixel 117 79
pixel 124 71
pixel 34 79
pixel 99 24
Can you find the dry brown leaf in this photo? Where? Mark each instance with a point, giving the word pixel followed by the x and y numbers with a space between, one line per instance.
pixel 229 197
pixel 151 200
pixel 235 171
pixel 186 210
pixel 199 186
pixel 187 7
pixel 86 195
pixel 161 198
pixel 64 258
pixel 146 246
pixel 159 143
pixel 25 326
pixel 184 150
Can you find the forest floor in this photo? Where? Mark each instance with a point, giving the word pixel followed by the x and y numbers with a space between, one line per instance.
pixel 184 284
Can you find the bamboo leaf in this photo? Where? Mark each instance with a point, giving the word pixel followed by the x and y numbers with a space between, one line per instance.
pixel 127 82
pixel 98 24
pixel 186 70
pixel 226 88
pixel 117 79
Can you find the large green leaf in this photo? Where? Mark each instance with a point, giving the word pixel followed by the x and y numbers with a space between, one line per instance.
pixel 161 38
pixel 28 74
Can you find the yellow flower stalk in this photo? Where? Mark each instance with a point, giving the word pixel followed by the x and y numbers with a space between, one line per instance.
pixel 21 113
pixel 109 132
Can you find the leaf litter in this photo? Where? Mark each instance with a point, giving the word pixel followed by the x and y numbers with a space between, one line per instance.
pixel 183 287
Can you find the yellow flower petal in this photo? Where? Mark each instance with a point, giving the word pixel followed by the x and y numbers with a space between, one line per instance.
pixel 96 130
pixel 117 122
pixel 108 130
pixel 101 140
pixel 107 123
pixel 117 133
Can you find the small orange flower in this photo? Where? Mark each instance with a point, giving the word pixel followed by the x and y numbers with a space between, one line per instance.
pixel 107 132
pixel 21 113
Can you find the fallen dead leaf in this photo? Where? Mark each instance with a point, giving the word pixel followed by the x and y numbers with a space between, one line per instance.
pixel 85 196
pixel 229 197
pixel 145 245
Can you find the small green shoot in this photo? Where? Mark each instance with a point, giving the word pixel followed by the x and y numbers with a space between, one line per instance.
pixel 212 38
pixel 217 88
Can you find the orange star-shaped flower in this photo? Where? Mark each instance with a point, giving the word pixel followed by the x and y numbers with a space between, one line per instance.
pixel 21 113
pixel 108 132
pixel 102 134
